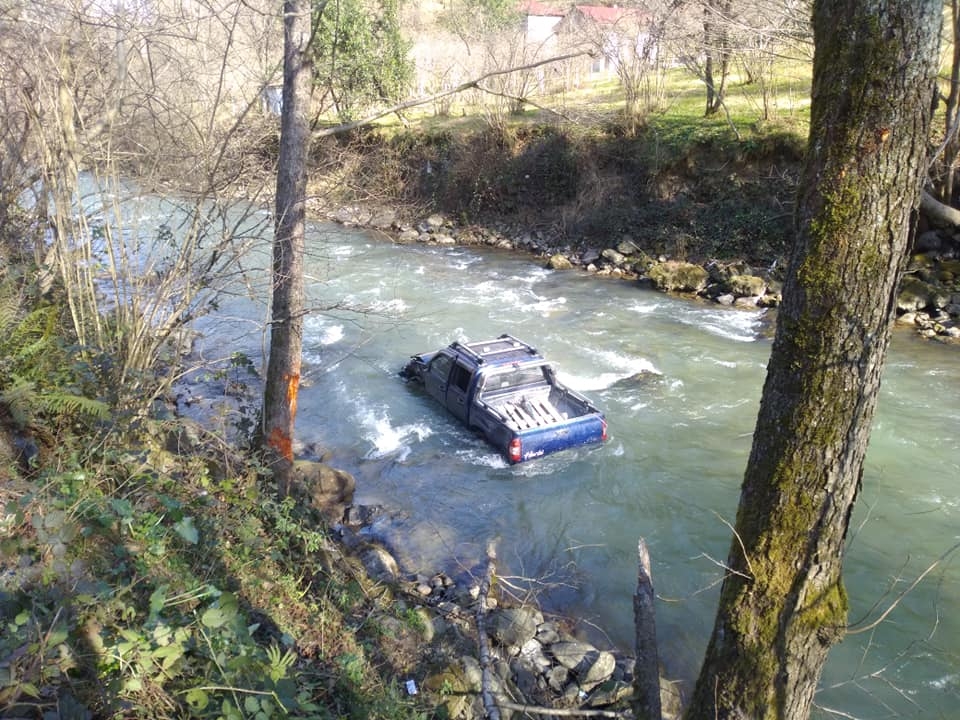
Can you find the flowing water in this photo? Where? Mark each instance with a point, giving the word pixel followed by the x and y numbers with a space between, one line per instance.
pixel 680 382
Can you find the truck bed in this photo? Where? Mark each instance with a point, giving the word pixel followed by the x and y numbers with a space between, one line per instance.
pixel 537 407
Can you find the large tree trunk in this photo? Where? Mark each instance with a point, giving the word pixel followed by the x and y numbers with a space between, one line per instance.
pixel 286 331
pixel 783 603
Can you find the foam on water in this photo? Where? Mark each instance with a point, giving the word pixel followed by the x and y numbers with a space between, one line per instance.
pixel 535 275
pixel 648 307
pixel 321 330
pixel 738 325
pixel 621 366
pixel 481 458
pixel 945 682
pixel 387 439
pixel 394 306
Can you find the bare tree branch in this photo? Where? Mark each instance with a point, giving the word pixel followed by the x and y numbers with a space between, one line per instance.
pixel 468 85
pixel 907 591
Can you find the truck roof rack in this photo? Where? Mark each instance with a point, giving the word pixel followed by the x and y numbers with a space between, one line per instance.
pixel 491 349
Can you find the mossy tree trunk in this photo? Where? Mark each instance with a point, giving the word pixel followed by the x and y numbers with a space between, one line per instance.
pixel 782 603
pixel 286 330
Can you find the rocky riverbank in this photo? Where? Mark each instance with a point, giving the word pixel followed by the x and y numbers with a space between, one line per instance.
pixel 929 298
pixel 531 661
pixel 537 660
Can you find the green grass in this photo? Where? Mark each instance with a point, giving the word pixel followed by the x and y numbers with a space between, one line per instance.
pixel 678 117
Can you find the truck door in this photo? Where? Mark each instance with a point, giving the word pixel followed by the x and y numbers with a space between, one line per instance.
pixel 457 400
pixel 438 374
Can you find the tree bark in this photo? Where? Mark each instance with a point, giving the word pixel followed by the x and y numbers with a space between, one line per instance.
pixel 286 330
pixel 783 604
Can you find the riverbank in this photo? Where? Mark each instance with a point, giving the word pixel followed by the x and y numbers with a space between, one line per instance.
pixel 709 218
pixel 928 301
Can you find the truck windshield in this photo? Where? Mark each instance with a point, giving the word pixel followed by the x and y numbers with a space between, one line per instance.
pixel 517 377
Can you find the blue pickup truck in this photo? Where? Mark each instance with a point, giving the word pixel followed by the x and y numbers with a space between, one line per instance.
pixel 505 390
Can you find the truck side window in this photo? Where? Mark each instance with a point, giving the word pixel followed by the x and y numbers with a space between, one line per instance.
pixel 460 377
pixel 440 367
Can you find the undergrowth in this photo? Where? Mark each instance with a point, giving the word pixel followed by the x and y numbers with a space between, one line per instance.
pixel 693 193
pixel 146 575
pixel 144 579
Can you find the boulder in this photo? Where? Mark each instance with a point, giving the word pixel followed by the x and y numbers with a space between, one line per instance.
pixel 914 295
pixel 431 224
pixel 513 627
pixel 590 665
pixel 678 276
pixel 327 489
pixel 612 256
pixel 747 285
pixel 383 219
pixel 379 563
pixel 590 256
pixel 559 262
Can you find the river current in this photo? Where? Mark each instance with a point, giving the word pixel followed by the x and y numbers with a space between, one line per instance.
pixel 680 382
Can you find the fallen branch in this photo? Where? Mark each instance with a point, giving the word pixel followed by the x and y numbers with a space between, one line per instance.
pixel 562 712
pixel 521 99
pixel 489 701
pixel 646 671
pixel 468 85
pixel 938 213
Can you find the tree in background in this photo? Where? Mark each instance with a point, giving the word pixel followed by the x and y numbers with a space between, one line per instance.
pixel 492 34
pixel 767 34
pixel 713 66
pixel 713 37
pixel 944 168
pixel 783 604
pixel 477 20
pixel 359 55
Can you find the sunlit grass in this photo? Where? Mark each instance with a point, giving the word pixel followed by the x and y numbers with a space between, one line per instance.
pixel 779 103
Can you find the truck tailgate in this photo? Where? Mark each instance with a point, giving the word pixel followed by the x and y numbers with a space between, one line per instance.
pixel 538 441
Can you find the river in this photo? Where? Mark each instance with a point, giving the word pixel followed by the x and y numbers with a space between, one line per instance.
pixel 679 381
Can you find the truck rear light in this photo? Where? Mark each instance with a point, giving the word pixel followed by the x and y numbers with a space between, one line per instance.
pixel 515 451
pixel 603 430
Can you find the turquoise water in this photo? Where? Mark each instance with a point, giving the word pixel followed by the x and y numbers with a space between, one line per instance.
pixel 680 383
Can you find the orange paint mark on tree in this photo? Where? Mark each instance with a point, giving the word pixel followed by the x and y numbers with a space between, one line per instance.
pixel 293 385
pixel 280 439
pixel 281 442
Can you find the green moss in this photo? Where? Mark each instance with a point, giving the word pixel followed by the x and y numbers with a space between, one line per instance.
pixel 825 613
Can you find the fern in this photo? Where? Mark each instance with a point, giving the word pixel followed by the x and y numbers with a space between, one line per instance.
pixel 9 306
pixel 22 397
pixel 19 398
pixel 67 404
pixel 28 338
